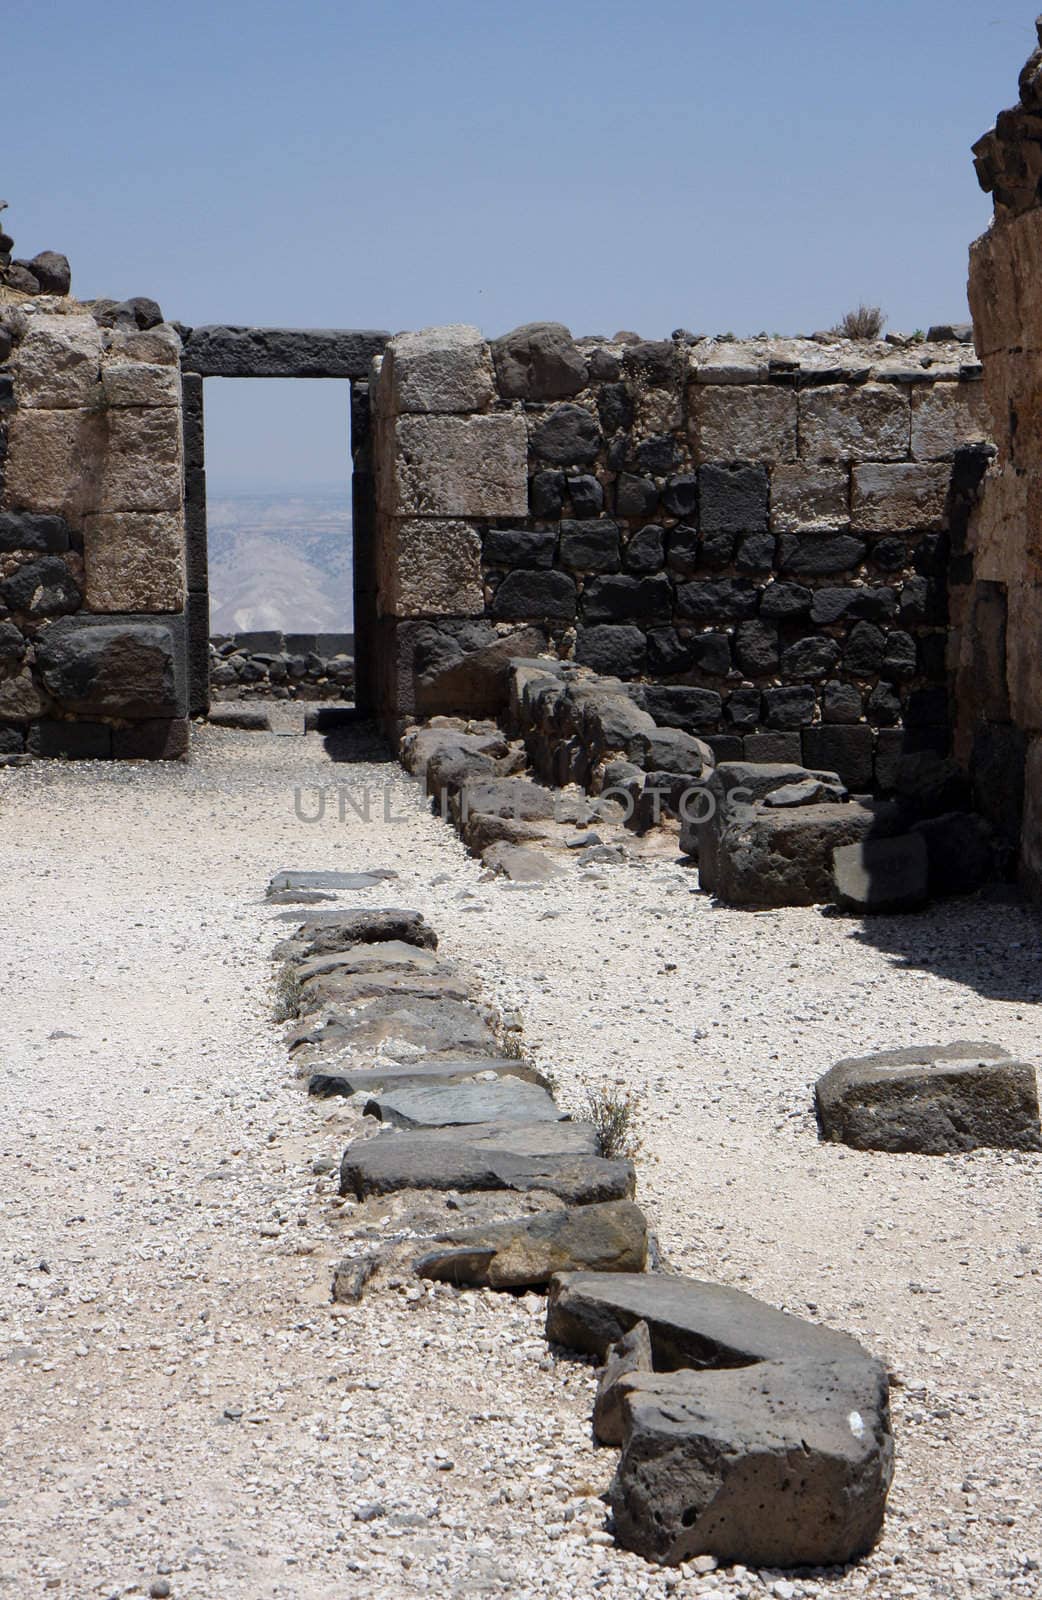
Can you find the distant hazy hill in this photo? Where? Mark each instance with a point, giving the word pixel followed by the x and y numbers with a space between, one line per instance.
pixel 280 562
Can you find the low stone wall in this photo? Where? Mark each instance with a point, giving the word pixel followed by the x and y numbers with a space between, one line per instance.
pixel 758 528
pixel 282 666
pixel 91 528
pixel 998 678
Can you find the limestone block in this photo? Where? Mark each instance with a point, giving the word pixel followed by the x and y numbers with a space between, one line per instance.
pixel 456 467
pixel 809 498
pixel 140 383
pixel 1024 659
pixel 160 346
pixel 140 464
pixel 992 291
pixel 899 498
pixel 438 369
pixel 945 415
pixel 437 570
pixel 841 422
pixel 52 459
pixel 742 422
pixel 57 362
pixel 134 561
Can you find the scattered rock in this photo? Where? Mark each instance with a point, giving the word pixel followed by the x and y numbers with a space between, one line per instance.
pixel 450 1105
pixel 526 1252
pixel 631 1354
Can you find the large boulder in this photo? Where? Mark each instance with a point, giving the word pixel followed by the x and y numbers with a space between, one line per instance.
pixel 783 857
pixel 539 361
pixel 781 1464
pixel 526 1252
pixel 931 1100
pixel 115 669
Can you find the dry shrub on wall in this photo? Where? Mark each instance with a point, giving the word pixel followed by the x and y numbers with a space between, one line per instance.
pixel 865 322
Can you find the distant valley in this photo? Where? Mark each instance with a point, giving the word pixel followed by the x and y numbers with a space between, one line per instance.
pixel 280 561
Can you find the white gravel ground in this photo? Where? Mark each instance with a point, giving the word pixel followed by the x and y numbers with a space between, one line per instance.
pixel 182 1405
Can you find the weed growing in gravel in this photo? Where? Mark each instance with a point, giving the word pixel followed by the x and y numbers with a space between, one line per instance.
pixel 287 995
pixel 512 1044
pixel 613 1113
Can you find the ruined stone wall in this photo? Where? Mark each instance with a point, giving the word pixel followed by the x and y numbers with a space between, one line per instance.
pixel 92 587
pixel 758 529
pixel 998 659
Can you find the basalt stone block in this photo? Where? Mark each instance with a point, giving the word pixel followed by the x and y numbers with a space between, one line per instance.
pixel 117 669
pixel 716 549
pixel 789 706
pixel 755 553
pixel 881 875
pixel 743 709
pixel 231 352
pixel 12 642
pixel 528 1251
pixel 669 652
pixel 12 740
pixel 899 657
pixel 438 369
pixel 619 598
pixel 681 706
pixel 153 739
pixel 778 1464
pixel 924 600
pixel 567 436
pixel 725 599
pixel 613 650
pixel 134 561
pixel 812 657
pixel 883 707
pixel 840 702
pixel 425 1161
pixel 670 750
pixel 870 422
pixel 443 1105
pixel 864 650
pixel 615 408
pixel 656 455
pixel 847 750
pixel 829 605
pixel 42 588
pixel 782 748
pixel 20 697
pixel 539 361
pixel 807 499
pixel 931 1100
pixel 631 1354
pixel 899 497
pixel 680 495
pixel 457 466
pixel 889 554
pixel 783 856
pixel 586 495
pixel 635 497
pixel 961 852
pixel 756 647
pixel 783 601
pixel 70 741
pixel 646 550
pixel 732 499
pixel 818 554
pixel 684 550
pixel 880 603
pixel 711 653
pixel 519 547
pixel 927 708
pixel 546 493
pixel 652 362
pixel 52 272
pixel 462 667
pixel 531 594
pixel 591 546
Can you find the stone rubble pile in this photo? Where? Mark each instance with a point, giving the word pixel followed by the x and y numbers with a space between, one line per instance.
pixel 278 666
pixel 1008 158
pixel 46 273
pixel 747 1435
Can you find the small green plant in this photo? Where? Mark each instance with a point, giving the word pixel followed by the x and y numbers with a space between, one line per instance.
pixel 866 322
pixel 287 994
pixel 918 337
pixel 613 1113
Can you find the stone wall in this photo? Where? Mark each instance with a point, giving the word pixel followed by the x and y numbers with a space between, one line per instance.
pixel 758 529
pixel 282 666
pixel 92 585
pixel 998 663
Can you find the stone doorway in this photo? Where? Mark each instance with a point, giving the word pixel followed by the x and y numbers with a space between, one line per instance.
pixel 236 352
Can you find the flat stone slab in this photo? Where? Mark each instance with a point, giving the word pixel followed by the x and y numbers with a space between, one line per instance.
pixel 881 874
pixel 386 1164
pixel 388 955
pixel 324 932
pixel 234 352
pixel 690 1323
pixel 394 1077
pixel 328 882
pixel 344 989
pixel 449 1105
pixel 931 1100
pixel 526 1252
pixel 527 1138
pixel 437 1027
pixel 520 864
pixel 782 1464
pixel 233 714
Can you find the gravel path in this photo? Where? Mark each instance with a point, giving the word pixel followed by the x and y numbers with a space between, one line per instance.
pixel 182 1405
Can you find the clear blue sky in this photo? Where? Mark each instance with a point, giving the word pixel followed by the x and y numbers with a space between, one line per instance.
pixel 646 164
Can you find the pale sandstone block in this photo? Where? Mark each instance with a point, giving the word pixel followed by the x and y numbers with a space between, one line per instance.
pixel 804 498
pixel 140 467
pixel 52 461
pixel 901 497
pixel 140 383
pixel 867 422
pixel 57 363
pixel 946 415
pixel 437 570
pixel 159 346
pixel 742 422
pixel 456 467
pixel 134 561
pixel 439 369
